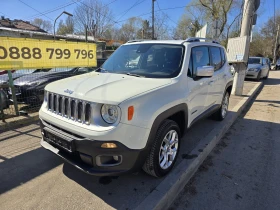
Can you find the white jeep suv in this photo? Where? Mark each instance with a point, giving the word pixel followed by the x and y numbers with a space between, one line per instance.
pixel 133 112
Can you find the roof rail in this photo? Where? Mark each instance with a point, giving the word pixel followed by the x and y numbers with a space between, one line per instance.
pixel 137 40
pixel 198 39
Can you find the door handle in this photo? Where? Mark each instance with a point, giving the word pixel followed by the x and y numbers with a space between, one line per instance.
pixel 211 83
pixel 224 76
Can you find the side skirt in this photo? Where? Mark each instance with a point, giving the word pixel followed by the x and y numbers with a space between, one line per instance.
pixel 206 113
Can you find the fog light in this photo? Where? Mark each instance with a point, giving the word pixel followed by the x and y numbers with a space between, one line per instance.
pixel 108 160
pixel 108 145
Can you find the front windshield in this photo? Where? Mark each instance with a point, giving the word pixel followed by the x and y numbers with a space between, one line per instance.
pixel 147 60
pixel 60 69
pixel 255 61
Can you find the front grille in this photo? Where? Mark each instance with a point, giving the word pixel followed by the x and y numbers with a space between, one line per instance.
pixel 74 109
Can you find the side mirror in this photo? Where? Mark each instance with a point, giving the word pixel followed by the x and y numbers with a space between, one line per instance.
pixel 205 71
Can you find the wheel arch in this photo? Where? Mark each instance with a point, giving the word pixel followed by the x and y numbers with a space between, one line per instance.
pixel 178 113
pixel 229 87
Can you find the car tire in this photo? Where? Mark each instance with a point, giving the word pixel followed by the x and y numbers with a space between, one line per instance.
pixel 167 140
pixel 266 75
pixel 221 114
pixel 259 76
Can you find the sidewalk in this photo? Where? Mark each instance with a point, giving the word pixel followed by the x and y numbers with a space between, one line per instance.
pixel 243 170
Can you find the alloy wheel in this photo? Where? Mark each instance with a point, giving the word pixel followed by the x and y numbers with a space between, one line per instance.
pixel 168 149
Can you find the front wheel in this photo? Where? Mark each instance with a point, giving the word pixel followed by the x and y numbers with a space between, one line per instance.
pixel 266 75
pixel 165 149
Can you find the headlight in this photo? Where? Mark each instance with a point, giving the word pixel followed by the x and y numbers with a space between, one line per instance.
pixel 36 83
pixel 109 113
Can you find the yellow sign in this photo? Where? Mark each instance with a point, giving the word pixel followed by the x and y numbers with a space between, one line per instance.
pixel 19 53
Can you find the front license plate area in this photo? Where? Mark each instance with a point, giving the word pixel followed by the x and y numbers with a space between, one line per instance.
pixel 60 142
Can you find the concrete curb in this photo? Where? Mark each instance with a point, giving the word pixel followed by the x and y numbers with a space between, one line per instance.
pixel 165 193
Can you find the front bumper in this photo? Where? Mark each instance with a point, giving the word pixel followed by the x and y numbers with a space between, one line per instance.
pixel 88 156
pixel 252 74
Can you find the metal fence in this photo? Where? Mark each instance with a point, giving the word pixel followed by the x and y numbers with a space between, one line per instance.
pixel 22 91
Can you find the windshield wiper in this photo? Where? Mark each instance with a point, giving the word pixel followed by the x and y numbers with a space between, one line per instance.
pixel 101 70
pixel 134 75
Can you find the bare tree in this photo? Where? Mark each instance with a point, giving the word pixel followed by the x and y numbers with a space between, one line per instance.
pixel 46 25
pixel 186 27
pixel 93 16
pixel 191 21
pixel 129 30
pixel 217 10
pixel 67 27
pixel 162 29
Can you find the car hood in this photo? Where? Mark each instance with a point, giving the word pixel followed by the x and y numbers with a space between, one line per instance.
pixel 105 87
pixel 5 78
pixel 34 77
pixel 254 66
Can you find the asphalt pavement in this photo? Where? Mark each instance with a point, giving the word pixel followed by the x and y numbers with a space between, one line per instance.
pixel 243 171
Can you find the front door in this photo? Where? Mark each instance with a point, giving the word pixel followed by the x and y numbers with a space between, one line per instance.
pixel 198 87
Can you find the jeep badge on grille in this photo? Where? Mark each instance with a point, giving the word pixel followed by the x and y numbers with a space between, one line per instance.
pixel 68 91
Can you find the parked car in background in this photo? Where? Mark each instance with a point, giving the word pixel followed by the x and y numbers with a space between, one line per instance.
pixel 277 65
pixel 257 68
pixel 5 71
pixel 30 88
pixel 269 63
pixel 273 66
pixel 4 79
pixel 232 70
pixel 4 101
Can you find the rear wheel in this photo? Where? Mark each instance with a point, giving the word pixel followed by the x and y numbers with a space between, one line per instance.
pixel 259 76
pixel 223 110
pixel 164 151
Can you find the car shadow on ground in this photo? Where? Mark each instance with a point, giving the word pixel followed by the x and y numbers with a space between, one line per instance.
pixel 25 167
pixel 129 190
pixel 272 81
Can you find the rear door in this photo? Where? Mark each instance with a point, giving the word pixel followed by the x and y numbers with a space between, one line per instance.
pixel 217 81
pixel 198 87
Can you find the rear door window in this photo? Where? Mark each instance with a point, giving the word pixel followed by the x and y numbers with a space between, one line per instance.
pixel 223 56
pixel 216 57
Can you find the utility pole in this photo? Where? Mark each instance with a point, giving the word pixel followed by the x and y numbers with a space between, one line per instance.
pixel 86 32
pixel 153 19
pixel 249 8
pixel 276 45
